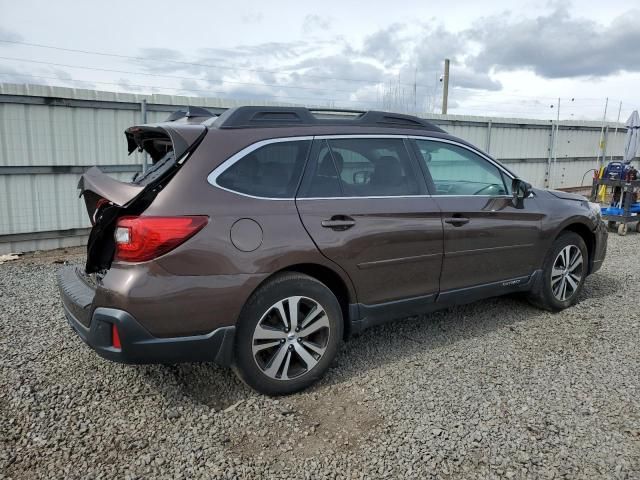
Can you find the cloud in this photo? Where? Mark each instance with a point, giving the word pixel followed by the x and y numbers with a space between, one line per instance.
pixel 557 45
pixel 255 17
pixel 11 75
pixel 10 35
pixel 434 44
pixel 385 64
pixel 62 74
pixel 464 77
pixel 385 45
pixel 315 22
pixel 126 85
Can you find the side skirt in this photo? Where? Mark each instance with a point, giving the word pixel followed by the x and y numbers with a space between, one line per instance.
pixel 362 316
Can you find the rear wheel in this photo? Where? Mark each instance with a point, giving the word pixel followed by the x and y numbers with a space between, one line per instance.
pixel 563 275
pixel 288 334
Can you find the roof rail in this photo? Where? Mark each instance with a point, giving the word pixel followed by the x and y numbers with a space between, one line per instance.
pixel 258 117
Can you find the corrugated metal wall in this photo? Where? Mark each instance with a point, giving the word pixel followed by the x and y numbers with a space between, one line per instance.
pixel 49 135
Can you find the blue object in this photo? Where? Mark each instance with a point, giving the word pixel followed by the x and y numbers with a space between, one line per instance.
pixel 616 170
pixel 635 208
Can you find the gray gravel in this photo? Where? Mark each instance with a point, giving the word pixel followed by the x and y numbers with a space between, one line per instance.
pixel 497 389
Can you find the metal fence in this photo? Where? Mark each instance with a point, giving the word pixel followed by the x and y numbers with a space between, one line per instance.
pixel 51 135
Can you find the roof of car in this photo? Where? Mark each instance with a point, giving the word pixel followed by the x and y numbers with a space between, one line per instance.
pixel 265 117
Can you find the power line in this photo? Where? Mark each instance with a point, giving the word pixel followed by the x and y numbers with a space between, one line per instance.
pixel 159 87
pixel 311 76
pixel 98 69
pixel 496 110
pixel 196 64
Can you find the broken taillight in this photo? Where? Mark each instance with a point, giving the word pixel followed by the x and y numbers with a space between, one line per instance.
pixel 139 239
pixel 99 204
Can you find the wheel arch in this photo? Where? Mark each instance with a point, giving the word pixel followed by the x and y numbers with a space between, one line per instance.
pixel 334 282
pixel 587 235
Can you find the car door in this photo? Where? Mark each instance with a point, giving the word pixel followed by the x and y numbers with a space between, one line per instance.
pixel 487 238
pixel 364 203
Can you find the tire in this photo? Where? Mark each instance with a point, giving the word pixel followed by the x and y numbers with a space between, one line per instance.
pixel 548 293
pixel 276 361
pixel 622 229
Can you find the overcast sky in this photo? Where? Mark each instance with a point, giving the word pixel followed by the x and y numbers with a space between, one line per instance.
pixel 507 60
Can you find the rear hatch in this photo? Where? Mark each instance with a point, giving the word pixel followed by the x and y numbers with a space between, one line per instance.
pixel 107 199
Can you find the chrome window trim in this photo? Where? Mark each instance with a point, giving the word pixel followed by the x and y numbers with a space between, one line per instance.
pixel 212 178
pixel 373 197
pixel 355 135
pixel 216 172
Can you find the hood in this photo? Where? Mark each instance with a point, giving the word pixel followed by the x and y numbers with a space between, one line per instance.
pixel 567 195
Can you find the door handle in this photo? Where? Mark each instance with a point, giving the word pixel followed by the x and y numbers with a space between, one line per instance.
pixel 456 221
pixel 338 222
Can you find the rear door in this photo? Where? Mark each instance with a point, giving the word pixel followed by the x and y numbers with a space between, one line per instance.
pixel 364 203
pixel 486 238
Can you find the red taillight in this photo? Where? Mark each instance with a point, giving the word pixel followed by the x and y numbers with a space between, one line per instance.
pixel 99 204
pixel 115 337
pixel 142 238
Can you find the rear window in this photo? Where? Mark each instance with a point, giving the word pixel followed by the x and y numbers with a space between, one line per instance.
pixel 271 171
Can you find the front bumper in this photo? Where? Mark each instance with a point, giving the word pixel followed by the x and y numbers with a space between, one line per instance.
pixel 600 248
pixel 138 346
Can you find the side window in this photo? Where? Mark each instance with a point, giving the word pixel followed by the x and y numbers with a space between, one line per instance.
pixel 361 167
pixel 458 171
pixel 322 181
pixel 272 171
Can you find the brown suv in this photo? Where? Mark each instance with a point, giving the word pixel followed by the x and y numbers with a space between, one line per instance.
pixel 262 238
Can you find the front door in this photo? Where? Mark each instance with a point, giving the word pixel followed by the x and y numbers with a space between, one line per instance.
pixel 486 238
pixel 364 203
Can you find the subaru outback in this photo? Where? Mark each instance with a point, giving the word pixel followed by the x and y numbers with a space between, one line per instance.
pixel 262 238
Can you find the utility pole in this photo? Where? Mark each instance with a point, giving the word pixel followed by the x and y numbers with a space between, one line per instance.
pixel 553 156
pixel 445 86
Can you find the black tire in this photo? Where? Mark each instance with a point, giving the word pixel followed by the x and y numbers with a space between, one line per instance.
pixel 259 309
pixel 543 293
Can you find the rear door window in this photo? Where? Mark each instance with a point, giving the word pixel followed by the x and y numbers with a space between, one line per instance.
pixel 360 167
pixel 271 171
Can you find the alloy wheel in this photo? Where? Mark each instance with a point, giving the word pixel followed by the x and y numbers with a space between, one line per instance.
pixel 291 338
pixel 566 273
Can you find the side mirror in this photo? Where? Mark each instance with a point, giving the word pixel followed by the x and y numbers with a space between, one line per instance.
pixel 520 190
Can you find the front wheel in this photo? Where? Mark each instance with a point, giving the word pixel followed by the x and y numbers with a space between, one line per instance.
pixel 288 334
pixel 563 274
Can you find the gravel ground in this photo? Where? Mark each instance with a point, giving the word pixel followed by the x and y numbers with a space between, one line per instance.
pixel 496 389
